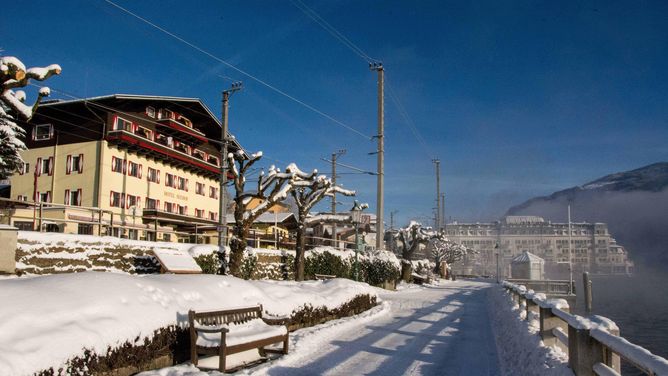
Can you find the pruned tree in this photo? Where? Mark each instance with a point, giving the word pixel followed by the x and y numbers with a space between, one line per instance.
pixel 443 249
pixel 308 190
pixel 14 75
pixel 272 188
pixel 409 240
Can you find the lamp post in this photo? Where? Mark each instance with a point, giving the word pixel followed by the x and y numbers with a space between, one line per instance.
pixel 496 248
pixel 356 216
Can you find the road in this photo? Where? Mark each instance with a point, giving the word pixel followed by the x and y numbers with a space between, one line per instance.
pixel 442 330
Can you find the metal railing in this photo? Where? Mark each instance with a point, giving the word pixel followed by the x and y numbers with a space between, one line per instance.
pixel 593 344
pixel 552 287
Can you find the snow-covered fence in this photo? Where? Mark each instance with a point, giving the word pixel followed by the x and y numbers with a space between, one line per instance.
pixel 593 344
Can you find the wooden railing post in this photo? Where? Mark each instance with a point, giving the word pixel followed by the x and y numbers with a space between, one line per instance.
pixel 548 322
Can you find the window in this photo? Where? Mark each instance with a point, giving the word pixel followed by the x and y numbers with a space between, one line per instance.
pixel 74 164
pixel 122 124
pixel 182 183
pixel 45 166
pixel 116 199
pixel 118 165
pixel 169 207
pixel 213 216
pixel 132 201
pixel 42 132
pixel 181 209
pixel 85 229
pixel 134 169
pixel 199 154
pixel 150 112
pixel 73 197
pixel 24 169
pixel 152 203
pixel 213 192
pixel 143 132
pixel 44 196
pixel 170 180
pixel 212 159
pixel 199 188
pixel 153 175
pixel 185 121
pixel 133 234
pixel 166 114
pixel 199 213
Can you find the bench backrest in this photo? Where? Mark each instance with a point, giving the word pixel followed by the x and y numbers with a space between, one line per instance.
pixel 228 316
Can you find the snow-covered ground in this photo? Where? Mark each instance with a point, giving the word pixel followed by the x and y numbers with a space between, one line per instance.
pixel 44 321
pixel 455 328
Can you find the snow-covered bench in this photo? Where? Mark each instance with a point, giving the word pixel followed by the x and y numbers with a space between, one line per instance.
pixel 232 331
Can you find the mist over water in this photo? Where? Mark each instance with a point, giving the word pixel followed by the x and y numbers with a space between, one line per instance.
pixel 637 304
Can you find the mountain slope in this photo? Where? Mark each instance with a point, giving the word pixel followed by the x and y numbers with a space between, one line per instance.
pixel 634 204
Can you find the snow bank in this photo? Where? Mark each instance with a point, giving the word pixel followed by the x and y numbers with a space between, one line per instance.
pixel 52 318
pixel 519 347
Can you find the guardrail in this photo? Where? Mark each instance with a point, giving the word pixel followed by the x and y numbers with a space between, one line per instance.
pixel 556 287
pixel 593 343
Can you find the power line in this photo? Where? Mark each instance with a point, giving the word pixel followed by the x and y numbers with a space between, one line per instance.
pixel 332 30
pixel 409 121
pixel 350 167
pixel 258 80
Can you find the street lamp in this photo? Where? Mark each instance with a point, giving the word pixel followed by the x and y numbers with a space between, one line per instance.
pixel 356 216
pixel 496 248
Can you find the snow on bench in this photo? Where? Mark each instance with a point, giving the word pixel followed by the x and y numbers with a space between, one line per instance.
pixel 231 331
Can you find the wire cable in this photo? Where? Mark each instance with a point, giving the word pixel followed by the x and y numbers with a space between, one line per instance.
pixel 256 79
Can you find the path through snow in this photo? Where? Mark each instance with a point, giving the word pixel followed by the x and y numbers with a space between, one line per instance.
pixel 441 330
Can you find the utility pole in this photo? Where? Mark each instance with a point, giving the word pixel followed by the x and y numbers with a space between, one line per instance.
pixel 443 221
pixel 380 229
pixel 438 193
pixel 222 202
pixel 335 155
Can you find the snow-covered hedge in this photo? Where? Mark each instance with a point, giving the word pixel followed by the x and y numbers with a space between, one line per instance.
pixel 50 320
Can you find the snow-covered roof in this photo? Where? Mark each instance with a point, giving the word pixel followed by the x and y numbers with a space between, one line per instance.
pixel 525 257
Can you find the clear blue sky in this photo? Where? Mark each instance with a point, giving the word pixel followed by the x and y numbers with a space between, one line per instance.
pixel 517 99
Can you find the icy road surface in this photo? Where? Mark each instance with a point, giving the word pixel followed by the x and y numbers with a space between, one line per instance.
pixel 440 330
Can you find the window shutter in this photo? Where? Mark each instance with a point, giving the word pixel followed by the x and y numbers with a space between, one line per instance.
pixel 67 197
pixel 157 204
pixel 125 166
pixel 80 163
pixel 37 197
pixel 127 203
pixel 51 166
pixel 158 175
pixel 48 196
pixel 140 170
pixel 113 164
pixel 50 131
pixel 138 202
pixel 122 200
pixel 186 185
pixel 38 167
pixel 79 194
pixel 68 165
pixel 111 198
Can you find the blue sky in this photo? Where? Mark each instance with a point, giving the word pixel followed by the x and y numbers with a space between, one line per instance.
pixel 517 99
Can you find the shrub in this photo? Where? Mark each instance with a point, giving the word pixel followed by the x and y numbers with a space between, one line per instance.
pixel 248 266
pixel 210 264
pixel 329 264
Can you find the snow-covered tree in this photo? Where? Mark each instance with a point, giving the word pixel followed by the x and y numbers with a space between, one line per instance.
pixel 271 189
pixel 443 249
pixel 14 75
pixel 409 240
pixel 308 190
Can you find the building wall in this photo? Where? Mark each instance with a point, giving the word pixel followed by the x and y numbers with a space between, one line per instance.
pixel 593 247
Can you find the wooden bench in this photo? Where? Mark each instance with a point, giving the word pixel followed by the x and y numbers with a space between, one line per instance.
pixel 232 331
pixel 323 277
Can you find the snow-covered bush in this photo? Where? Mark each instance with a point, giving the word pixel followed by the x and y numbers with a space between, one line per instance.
pixel 377 271
pixel 329 264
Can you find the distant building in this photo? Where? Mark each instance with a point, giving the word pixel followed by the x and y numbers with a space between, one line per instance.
pixel 593 247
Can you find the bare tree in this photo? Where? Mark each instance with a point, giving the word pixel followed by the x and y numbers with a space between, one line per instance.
pixel 409 240
pixel 308 190
pixel 14 75
pixel 272 188
pixel 443 249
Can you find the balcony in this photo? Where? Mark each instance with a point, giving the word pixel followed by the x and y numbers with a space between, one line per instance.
pixel 180 131
pixel 161 149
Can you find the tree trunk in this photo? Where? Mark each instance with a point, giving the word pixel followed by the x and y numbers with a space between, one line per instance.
pixel 238 245
pixel 299 253
pixel 406 270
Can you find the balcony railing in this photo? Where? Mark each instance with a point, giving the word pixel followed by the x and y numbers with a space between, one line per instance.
pixel 161 148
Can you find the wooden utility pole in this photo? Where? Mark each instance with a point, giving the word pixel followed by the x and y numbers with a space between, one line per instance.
pixel 222 202
pixel 335 155
pixel 438 193
pixel 380 229
pixel 443 221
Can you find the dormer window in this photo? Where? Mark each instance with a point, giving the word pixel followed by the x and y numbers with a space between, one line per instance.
pixel 42 132
pixel 122 124
pixel 166 114
pixel 150 112
pixel 185 121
